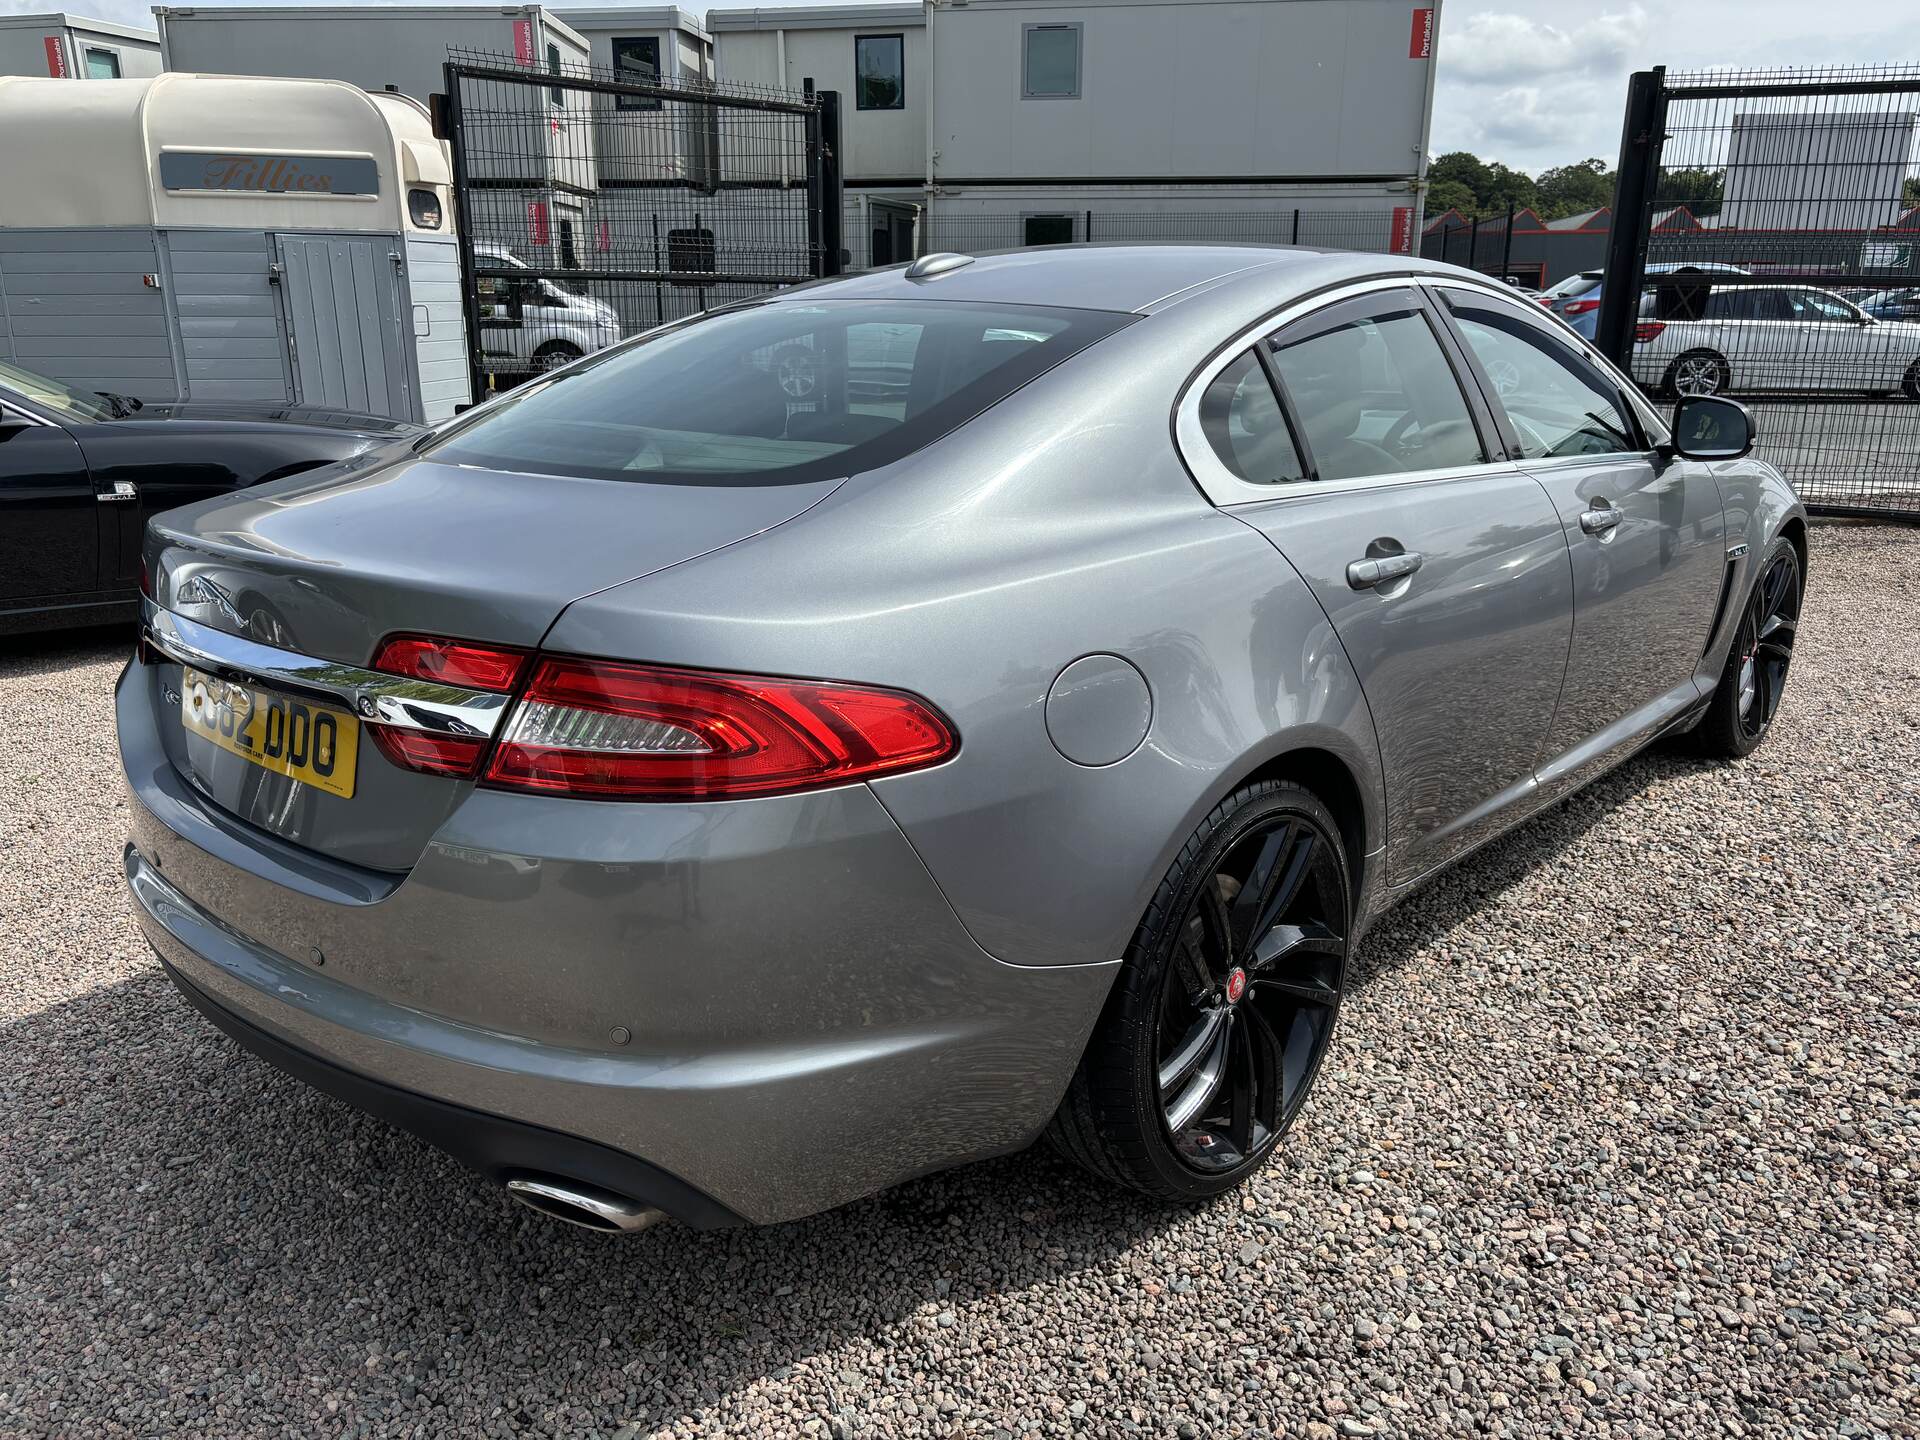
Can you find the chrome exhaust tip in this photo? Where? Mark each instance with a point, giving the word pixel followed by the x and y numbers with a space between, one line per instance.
pixel 583 1205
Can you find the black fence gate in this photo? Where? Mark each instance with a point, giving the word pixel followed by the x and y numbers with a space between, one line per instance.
pixel 1766 245
pixel 595 204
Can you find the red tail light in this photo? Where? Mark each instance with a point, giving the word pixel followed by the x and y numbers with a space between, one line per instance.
pixel 443 662
pixel 1648 330
pixel 1580 307
pixel 450 662
pixel 639 732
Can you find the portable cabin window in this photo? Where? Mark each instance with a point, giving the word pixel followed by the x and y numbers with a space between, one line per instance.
pixel 556 93
pixel 880 72
pixel 102 64
pixel 637 58
pixel 1050 62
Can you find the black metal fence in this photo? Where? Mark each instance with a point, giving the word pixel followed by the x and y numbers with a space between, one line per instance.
pixel 594 204
pixel 1381 229
pixel 1766 245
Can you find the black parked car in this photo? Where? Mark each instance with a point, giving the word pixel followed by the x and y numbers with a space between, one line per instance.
pixel 80 473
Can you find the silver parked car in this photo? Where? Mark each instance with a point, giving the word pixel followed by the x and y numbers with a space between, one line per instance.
pixel 1750 338
pixel 671 795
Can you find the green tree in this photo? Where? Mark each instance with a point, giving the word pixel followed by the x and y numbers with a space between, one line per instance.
pixel 1696 187
pixel 1910 191
pixel 1574 189
pixel 1475 187
pixel 1445 195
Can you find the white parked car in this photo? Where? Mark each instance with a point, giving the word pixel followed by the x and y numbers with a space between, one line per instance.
pixel 529 325
pixel 1775 337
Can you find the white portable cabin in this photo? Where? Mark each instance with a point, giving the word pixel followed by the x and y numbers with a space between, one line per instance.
pixel 231 238
pixel 74 47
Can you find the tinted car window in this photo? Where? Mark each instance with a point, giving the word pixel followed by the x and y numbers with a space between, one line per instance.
pixel 63 400
pixel 1246 427
pixel 1376 396
pixel 1573 285
pixel 1731 305
pixel 775 394
pixel 1814 306
pixel 1559 404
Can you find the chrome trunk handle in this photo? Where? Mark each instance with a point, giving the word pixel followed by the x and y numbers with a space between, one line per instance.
pixel 397 700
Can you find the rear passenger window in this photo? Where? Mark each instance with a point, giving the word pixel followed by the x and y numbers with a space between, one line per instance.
pixel 1376 396
pixel 1246 427
pixel 1559 404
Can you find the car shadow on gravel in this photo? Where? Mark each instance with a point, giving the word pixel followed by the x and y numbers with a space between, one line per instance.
pixel 51 651
pixel 146 1144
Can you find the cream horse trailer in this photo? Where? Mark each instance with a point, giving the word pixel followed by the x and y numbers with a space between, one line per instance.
pixel 231 238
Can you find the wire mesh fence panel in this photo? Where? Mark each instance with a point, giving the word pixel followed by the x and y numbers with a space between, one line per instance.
pixel 1781 266
pixel 595 204
pixel 1382 230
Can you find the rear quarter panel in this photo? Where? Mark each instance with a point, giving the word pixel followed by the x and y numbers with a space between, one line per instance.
pixel 1058 525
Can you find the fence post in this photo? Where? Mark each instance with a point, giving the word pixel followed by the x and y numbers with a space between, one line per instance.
pixel 1089 231
pixel 659 291
pixel 477 378
pixel 816 257
pixel 1473 244
pixel 832 194
pixel 1506 246
pixel 1296 224
pixel 1642 136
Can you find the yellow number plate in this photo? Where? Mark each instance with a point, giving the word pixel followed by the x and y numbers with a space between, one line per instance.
pixel 315 744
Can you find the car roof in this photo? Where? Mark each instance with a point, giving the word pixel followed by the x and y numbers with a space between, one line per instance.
pixel 1115 276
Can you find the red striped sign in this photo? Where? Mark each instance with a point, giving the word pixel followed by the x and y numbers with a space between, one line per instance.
pixel 539 227
pixel 56 58
pixel 523 41
pixel 1402 230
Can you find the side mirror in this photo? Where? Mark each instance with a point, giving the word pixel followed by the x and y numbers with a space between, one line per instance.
pixel 1711 427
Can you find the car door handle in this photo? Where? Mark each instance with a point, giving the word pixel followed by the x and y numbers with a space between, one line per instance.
pixel 122 490
pixel 1383 570
pixel 1600 519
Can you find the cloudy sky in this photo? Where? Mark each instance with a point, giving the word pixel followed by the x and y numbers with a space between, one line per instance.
pixel 1535 83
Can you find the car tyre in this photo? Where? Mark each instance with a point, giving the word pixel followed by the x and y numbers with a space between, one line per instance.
pixel 1911 385
pixel 1225 1004
pixel 1698 372
pixel 553 355
pixel 1755 675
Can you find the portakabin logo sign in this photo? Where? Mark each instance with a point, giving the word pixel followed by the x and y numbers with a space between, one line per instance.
pixel 1420 46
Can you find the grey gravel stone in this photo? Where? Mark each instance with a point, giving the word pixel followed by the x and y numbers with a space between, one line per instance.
pixel 1637 1082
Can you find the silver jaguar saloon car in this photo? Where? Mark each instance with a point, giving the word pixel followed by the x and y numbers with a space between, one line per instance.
pixel 678 791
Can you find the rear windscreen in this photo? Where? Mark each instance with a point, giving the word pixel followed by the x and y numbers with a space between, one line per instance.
pixel 775 394
pixel 1574 285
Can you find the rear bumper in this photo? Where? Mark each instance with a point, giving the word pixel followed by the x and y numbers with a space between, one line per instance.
pixel 495 1146
pixel 766 1003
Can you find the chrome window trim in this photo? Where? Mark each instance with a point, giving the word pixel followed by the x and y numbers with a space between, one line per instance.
pixel 395 700
pixel 19 412
pixel 1226 489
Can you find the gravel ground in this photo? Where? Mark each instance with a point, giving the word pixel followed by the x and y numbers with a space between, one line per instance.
pixel 1619 1138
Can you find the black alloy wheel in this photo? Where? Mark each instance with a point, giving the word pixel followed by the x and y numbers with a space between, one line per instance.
pixel 1755 675
pixel 1226 1006
pixel 1765 644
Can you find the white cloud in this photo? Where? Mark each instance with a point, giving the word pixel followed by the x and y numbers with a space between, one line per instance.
pixel 1498 46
